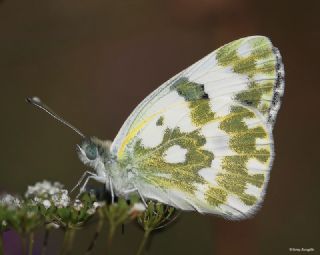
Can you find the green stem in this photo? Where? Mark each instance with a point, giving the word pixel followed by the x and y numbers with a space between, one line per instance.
pixel 95 237
pixel 24 244
pixel 143 242
pixel 68 241
pixel 112 230
pixel 45 241
pixel 1 244
pixel 31 241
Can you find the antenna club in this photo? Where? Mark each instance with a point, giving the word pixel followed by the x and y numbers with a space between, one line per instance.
pixel 32 100
pixel 35 101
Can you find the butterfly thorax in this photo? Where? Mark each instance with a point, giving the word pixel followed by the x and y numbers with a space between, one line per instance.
pixel 96 154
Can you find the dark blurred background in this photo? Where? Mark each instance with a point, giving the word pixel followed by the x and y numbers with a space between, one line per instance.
pixel 94 61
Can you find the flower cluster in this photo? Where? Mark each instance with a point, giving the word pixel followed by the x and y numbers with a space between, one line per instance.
pixel 43 189
pixel 48 194
pixel 49 204
pixel 18 214
pixel 123 211
pixel 57 207
pixel 8 203
pixel 157 216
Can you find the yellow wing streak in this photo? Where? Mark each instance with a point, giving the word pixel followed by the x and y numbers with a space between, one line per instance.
pixel 142 124
pixel 134 132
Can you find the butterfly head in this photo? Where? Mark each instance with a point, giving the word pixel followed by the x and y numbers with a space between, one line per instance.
pixel 93 151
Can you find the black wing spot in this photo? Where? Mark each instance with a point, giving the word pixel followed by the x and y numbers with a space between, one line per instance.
pixel 204 95
pixel 248 102
pixel 275 98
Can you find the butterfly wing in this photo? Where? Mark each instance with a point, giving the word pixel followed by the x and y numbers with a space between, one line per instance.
pixel 203 140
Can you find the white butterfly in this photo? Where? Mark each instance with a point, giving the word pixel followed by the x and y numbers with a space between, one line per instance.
pixel 203 140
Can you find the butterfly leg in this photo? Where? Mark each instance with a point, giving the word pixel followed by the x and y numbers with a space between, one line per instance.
pixel 142 199
pixel 93 177
pixel 111 190
pixel 81 179
pixel 129 191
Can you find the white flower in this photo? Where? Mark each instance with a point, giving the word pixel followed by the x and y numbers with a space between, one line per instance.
pixel 48 194
pixel 10 201
pixel 91 211
pixel 46 203
pixel 94 207
pixel 98 204
pixel 53 225
pixel 43 189
pixel 4 223
pixel 61 199
pixel 77 205
pixel 137 208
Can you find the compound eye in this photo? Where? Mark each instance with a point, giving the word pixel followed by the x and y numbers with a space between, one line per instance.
pixel 91 151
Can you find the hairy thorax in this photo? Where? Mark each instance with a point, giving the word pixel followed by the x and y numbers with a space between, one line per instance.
pixel 96 154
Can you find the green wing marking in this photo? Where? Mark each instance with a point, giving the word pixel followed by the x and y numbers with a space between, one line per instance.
pixel 260 60
pixel 183 176
pixel 197 100
pixel 261 50
pixel 234 176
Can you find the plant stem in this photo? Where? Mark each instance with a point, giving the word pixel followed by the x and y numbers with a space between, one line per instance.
pixel 24 244
pixel 112 229
pixel 1 244
pixel 68 241
pixel 143 242
pixel 31 241
pixel 45 242
pixel 95 237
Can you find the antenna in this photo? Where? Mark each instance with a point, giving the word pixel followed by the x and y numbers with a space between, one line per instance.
pixel 35 101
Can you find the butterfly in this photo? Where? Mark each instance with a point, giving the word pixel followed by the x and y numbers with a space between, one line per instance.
pixel 203 140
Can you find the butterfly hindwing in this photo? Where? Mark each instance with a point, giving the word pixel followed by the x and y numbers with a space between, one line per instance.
pixel 203 140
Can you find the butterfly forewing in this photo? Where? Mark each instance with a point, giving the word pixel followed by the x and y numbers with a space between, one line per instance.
pixel 203 140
